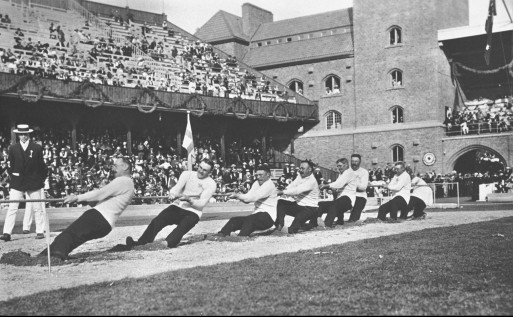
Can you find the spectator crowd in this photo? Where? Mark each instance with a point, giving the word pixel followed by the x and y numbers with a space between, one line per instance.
pixel 481 116
pixel 157 166
pixel 130 54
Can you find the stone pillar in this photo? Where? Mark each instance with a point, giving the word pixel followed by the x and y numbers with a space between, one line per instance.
pixel 74 119
pixel 179 143
pixel 73 136
pixel 223 145
pixel 263 145
pixel 129 124
pixel 13 135
pixel 129 141
pixel 222 132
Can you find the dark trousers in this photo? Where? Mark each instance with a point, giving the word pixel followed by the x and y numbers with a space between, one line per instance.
pixel 323 208
pixel 89 226
pixel 392 206
pixel 248 224
pixel 337 208
pixel 417 205
pixel 300 213
pixel 356 212
pixel 172 215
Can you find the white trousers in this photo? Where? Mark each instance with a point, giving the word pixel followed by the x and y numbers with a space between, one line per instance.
pixel 32 209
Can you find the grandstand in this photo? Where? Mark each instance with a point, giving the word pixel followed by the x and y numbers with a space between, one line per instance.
pixel 96 83
pixel 135 54
pixel 62 40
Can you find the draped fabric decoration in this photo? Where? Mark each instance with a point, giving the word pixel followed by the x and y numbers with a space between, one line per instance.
pixel 32 88
pixel 457 65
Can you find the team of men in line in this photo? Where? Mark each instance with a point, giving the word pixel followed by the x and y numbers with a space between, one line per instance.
pixel 300 199
pixel 195 188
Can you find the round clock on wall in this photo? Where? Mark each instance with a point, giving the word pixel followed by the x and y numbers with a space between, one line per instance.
pixel 429 159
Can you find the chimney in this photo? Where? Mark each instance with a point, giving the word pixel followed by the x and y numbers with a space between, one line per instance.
pixel 252 17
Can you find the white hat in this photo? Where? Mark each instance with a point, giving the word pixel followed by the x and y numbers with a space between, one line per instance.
pixel 22 128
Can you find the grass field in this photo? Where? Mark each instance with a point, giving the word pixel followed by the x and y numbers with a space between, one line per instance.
pixel 463 270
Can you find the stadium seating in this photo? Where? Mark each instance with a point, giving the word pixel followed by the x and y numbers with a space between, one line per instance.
pixel 76 45
pixel 482 116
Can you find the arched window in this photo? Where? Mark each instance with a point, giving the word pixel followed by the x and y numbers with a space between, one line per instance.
pixel 397 115
pixel 397 153
pixel 332 84
pixel 333 120
pixel 395 35
pixel 396 77
pixel 296 86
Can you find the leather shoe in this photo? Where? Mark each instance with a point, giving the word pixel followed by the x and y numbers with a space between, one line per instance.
pixel 6 237
pixel 130 242
pixel 40 236
pixel 26 231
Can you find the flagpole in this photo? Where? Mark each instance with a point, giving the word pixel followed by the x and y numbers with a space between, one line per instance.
pixel 47 229
pixel 507 10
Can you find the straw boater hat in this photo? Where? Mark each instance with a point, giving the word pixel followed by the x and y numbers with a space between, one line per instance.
pixel 22 128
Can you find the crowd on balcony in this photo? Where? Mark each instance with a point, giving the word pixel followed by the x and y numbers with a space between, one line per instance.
pixel 157 165
pixel 177 63
pixel 481 116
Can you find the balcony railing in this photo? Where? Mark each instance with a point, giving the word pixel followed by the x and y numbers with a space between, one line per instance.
pixel 147 100
pixel 478 129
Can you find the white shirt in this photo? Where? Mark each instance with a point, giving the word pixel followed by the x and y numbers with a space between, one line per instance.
pixel 264 197
pixel 112 198
pixel 24 145
pixel 305 191
pixel 189 184
pixel 401 186
pixel 363 182
pixel 347 182
pixel 423 191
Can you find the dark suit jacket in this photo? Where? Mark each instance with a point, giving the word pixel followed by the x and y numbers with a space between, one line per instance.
pixel 27 169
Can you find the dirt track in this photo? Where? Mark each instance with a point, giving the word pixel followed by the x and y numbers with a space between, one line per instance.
pixel 21 281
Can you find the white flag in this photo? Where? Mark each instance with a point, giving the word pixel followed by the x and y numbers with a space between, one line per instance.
pixel 188 142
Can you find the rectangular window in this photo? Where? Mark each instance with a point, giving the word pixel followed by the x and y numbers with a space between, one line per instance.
pixel 260 44
pixel 329 121
pixel 268 43
pixel 289 39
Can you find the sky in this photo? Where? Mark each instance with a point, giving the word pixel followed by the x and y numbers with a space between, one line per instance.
pixel 192 14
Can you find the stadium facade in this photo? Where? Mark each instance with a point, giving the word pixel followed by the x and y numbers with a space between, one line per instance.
pixel 384 74
pixel 378 78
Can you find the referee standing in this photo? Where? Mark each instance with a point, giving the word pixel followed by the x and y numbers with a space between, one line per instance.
pixel 27 171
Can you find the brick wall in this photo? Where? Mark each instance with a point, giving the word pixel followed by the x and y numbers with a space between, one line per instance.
pixel 313 77
pixel 253 16
pixel 317 73
pixel 234 49
pixel 424 92
pixel 501 144
pixel 375 146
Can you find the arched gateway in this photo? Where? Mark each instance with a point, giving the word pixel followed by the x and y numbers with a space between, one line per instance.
pixel 477 158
